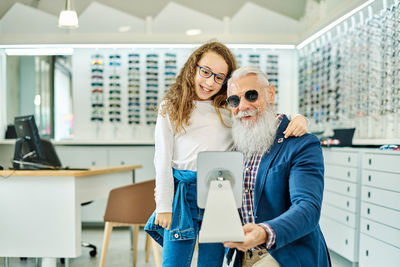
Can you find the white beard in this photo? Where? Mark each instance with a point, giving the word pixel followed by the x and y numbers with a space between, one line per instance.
pixel 254 137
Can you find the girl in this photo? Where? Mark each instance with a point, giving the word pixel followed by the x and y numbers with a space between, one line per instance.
pixel 193 117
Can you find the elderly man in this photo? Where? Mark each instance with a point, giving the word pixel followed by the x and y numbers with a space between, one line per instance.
pixel 283 181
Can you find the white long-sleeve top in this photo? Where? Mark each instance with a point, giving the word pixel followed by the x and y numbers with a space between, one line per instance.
pixel 179 150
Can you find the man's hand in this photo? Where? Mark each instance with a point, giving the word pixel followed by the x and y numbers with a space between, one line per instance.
pixel 164 219
pixel 297 127
pixel 254 235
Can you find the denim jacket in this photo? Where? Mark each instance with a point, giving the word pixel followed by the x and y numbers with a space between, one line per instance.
pixel 182 223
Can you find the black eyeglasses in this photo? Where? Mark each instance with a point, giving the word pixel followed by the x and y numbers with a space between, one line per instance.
pixel 250 95
pixel 207 73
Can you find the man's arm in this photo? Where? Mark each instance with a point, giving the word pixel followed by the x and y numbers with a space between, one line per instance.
pixel 306 183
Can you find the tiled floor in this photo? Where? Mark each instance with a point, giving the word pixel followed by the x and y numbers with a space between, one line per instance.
pixel 119 253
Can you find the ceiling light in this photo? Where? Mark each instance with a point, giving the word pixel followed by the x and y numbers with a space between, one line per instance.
pixel 193 32
pixel 124 28
pixel 68 18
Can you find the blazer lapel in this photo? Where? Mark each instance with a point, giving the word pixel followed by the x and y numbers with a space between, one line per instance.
pixel 266 161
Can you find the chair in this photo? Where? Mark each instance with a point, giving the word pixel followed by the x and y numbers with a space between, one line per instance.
pixel 127 206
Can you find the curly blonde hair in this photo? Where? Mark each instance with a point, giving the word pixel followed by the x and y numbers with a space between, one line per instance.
pixel 178 101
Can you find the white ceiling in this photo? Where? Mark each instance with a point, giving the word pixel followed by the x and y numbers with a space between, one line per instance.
pixel 142 8
pixel 165 21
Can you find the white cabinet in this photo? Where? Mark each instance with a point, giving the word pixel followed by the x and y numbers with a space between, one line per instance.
pixel 341 203
pixel 380 209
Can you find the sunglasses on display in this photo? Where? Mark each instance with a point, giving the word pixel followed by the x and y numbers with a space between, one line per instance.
pixel 250 95
pixel 133 92
pixel 96 119
pixel 115 119
pixel 115 92
pixel 97 91
pixel 97 70
pixel 207 73
pixel 134 104
pixel 97 105
pixel 114 63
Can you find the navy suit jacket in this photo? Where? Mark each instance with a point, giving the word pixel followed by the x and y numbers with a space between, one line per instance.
pixel 288 197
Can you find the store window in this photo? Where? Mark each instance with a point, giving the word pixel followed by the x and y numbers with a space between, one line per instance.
pixel 40 85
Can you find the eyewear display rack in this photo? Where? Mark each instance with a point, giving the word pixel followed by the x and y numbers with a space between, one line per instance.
pixel 352 79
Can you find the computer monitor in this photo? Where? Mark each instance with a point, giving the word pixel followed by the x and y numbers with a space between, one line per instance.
pixel 32 152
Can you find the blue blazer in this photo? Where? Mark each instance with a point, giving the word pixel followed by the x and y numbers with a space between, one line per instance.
pixel 288 197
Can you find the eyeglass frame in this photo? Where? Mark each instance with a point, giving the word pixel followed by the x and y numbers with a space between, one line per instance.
pixel 212 74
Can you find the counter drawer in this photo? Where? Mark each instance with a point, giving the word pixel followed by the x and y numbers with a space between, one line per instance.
pixel 344 188
pixel 381 197
pixel 381 232
pixel 340 238
pixel 380 214
pixel 341 172
pixel 341 158
pixel 375 253
pixel 339 201
pixel 339 215
pixel 382 162
pixel 384 180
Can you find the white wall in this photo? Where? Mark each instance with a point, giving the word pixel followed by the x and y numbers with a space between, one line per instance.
pixel 85 129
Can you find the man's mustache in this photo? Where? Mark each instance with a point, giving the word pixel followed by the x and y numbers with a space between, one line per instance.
pixel 246 113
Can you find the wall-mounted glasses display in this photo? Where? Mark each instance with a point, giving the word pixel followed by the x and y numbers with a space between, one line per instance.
pixel 97 85
pixel 352 79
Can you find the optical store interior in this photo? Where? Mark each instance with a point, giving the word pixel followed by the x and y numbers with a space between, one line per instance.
pixel 80 83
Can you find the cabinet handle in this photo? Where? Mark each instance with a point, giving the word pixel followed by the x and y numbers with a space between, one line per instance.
pixel 348 159
pixel 122 162
pixel 369 178
pixel 367 227
pixel 366 252
pixel 347 218
pixel 346 242
pixel 348 174
pixel 93 163
pixel 369 194
pixel 368 211
pixel 348 189
pixel 369 161
pixel 347 203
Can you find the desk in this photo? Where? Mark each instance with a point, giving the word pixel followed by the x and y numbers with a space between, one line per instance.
pixel 40 211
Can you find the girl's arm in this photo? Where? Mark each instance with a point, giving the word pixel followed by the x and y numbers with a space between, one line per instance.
pixel 164 142
pixel 297 127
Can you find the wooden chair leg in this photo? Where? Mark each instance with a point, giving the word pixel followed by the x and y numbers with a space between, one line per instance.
pixel 135 242
pixel 156 253
pixel 147 248
pixel 106 240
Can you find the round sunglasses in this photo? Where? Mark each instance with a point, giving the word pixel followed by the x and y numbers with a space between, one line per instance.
pixel 250 95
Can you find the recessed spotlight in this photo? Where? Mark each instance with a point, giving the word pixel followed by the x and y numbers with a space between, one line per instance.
pixel 124 28
pixel 192 32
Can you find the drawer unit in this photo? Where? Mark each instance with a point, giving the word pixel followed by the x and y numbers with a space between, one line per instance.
pixel 339 215
pixel 340 187
pixel 340 201
pixel 383 180
pixel 340 238
pixel 381 197
pixel 380 214
pixel 375 253
pixel 381 232
pixel 343 158
pixel 387 162
pixel 339 172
